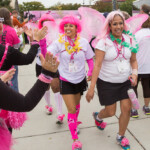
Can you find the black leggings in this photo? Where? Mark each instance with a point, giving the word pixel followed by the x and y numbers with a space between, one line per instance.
pixel 145 81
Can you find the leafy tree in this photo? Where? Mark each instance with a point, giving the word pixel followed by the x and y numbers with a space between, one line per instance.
pixel 127 6
pixel 28 6
pixel 102 6
pixel 32 6
pixel 60 6
pixel 5 3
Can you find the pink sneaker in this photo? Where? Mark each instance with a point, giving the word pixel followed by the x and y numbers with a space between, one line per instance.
pixel 49 109
pixel 60 119
pixel 100 124
pixel 77 145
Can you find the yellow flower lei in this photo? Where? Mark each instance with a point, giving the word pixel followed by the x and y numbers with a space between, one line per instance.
pixel 75 48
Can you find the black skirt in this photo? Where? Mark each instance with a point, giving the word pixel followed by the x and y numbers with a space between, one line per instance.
pixel 70 88
pixel 110 93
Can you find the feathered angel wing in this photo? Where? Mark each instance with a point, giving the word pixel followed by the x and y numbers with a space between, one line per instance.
pixel 53 30
pixel 135 22
pixel 92 22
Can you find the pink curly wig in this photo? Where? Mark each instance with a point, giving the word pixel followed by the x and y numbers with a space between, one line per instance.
pixel 110 17
pixel 45 17
pixel 72 20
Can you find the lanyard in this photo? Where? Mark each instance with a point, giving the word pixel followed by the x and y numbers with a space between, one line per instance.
pixel 71 42
pixel 120 51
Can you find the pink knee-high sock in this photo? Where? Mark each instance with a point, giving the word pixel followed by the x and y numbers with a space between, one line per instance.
pixel 77 110
pixel 72 123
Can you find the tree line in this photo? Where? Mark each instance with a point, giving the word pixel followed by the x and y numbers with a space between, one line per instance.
pixel 98 5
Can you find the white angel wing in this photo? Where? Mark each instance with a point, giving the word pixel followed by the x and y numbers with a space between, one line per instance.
pixel 53 30
pixel 135 22
pixel 92 22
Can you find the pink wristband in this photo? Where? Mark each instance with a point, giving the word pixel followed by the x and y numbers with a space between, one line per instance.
pixel 34 42
pixel 44 79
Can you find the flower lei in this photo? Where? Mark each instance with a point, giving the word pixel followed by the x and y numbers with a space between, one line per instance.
pixel 74 48
pixel 125 44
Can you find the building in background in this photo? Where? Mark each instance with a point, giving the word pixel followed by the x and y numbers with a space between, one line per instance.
pixel 139 3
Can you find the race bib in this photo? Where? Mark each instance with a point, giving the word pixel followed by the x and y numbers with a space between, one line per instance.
pixel 123 66
pixel 72 67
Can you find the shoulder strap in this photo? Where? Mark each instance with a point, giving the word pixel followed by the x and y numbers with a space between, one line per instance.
pixel 4 55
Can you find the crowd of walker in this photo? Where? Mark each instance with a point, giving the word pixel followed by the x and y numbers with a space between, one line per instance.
pixel 121 61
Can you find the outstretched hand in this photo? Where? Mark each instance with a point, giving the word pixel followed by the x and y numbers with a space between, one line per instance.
pixel 39 34
pixel 8 75
pixel 28 32
pixel 19 31
pixel 49 63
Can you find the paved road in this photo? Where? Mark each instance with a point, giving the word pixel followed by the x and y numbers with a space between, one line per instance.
pixel 41 132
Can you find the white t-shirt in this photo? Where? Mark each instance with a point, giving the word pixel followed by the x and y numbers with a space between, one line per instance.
pixel 65 59
pixel 111 65
pixel 143 55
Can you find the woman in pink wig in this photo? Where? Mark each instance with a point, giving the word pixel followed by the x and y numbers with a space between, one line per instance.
pixel 73 52
pixel 43 49
pixel 115 64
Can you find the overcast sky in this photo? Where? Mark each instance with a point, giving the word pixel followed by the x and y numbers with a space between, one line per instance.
pixel 48 3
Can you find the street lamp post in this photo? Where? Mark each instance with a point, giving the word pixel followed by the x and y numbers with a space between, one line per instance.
pixel 114 4
pixel 16 5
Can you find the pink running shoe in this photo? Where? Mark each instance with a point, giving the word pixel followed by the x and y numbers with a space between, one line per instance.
pixel 100 124
pixel 49 109
pixel 124 143
pixel 77 145
pixel 60 119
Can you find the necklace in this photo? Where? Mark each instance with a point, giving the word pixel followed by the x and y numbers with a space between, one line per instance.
pixel 70 45
pixel 124 43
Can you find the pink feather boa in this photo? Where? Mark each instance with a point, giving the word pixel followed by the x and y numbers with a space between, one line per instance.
pixel 14 120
